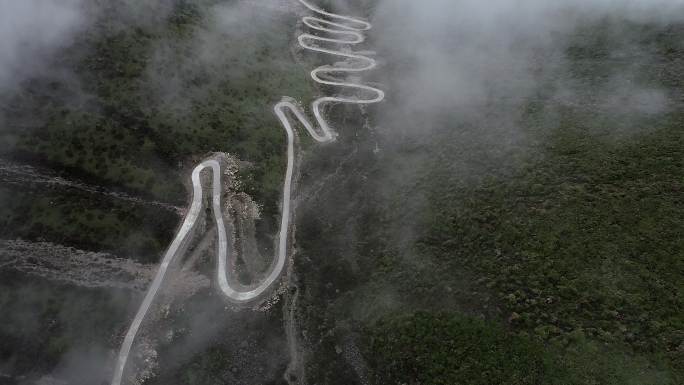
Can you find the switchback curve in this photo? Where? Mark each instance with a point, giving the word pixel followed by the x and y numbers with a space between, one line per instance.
pixel 351 29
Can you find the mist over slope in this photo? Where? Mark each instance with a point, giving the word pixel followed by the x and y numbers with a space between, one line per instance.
pixel 31 31
pixel 511 213
pixel 466 53
pixel 521 183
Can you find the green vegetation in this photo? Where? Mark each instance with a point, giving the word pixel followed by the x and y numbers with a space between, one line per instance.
pixel 584 240
pixel 152 96
pixel 137 129
pixel 574 236
pixel 425 348
pixel 206 366
pixel 554 258
pixel 545 250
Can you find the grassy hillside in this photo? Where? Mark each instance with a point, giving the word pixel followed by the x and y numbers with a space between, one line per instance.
pixel 145 98
pixel 129 108
pixel 551 254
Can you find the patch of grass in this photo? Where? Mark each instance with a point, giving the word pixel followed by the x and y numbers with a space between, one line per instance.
pixel 563 229
pixel 440 349
pixel 443 348
pixel 584 239
pixel 576 235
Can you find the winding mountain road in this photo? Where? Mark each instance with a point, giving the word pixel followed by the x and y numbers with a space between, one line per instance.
pixel 346 30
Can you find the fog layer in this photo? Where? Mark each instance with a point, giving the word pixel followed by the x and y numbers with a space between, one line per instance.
pixel 453 54
pixel 30 30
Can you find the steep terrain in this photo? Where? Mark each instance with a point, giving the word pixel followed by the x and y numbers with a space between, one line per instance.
pixel 511 213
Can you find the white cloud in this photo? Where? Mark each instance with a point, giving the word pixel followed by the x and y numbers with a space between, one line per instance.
pixel 30 30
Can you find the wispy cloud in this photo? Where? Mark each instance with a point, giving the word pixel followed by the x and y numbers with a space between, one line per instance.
pixel 31 30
